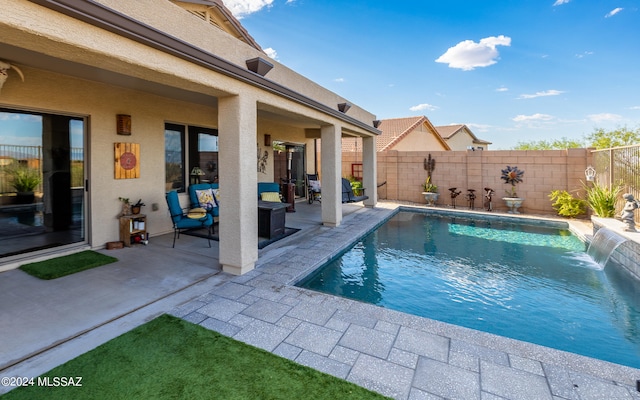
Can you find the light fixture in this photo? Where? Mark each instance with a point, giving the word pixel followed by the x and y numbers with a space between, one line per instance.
pixel 376 123
pixel 590 173
pixel 344 107
pixel 123 124
pixel 197 171
pixel 259 65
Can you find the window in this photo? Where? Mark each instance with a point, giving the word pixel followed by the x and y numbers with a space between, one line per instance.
pixel 356 171
pixel 197 145
pixel 174 157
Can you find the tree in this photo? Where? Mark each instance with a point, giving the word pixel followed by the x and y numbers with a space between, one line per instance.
pixel 601 139
pixel 558 144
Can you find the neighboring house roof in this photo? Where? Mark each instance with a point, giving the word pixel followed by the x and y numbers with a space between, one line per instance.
pixel 396 129
pixel 215 13
pixel 448 131
pixel 393 131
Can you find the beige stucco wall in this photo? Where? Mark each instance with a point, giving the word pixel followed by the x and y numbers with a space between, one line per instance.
pixel 460 141
pixel 545 170
pixel 188 27
pixel 187 94
pixel 420 139
pixel 44 91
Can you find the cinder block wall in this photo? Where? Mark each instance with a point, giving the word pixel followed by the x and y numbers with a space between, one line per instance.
pixel 544 171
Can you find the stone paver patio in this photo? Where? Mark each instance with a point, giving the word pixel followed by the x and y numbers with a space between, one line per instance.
pixel 396 354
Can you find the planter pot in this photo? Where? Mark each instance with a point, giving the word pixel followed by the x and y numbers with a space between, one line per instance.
pixel 25 197
pixel 431 198
pixel 513 203
pixel 135 210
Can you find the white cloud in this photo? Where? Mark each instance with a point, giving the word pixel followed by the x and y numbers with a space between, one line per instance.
pixel 422 107
pixel 240 8
pixel 604 117
pixel 339 80
pixel 586 53
pixel 634 108
pixel 468 54
pixel 479 127
pixel 561 2
pixel 532 118
pixel 613 12
pixel 502 89
pixel 551 92
pixel 271 53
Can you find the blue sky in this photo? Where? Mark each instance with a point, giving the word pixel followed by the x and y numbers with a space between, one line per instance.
pixel 511 70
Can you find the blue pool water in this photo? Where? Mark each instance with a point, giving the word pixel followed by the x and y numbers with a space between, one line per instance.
pixel 529 283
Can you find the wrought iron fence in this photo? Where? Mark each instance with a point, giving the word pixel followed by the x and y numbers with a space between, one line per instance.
pixel 12 156
pixel 619 165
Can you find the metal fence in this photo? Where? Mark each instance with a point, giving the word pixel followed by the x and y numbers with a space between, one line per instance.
pixel 619 165
pixel 31 157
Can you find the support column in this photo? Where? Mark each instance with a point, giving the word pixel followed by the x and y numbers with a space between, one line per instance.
pixel 331 153
pixel 237 120
pixel 369 170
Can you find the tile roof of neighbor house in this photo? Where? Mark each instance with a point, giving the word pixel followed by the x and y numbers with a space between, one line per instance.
pixel 448 131
pixel 394 130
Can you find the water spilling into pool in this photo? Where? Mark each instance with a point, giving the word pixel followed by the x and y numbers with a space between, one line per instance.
pixel 529 283
pixel 604 242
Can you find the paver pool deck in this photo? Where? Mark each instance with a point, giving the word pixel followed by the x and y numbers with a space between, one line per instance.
pixel 396 354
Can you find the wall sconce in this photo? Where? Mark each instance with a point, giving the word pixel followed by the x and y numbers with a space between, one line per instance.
pixel 344 107
pixel 123 124
pixel 376 123
pixel 267 140
pixel 590 174
pixel 259 65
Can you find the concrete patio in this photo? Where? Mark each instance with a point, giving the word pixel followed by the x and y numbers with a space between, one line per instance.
pixel 45 323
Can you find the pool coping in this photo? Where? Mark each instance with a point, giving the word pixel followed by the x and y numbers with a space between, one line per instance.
pixel 575 362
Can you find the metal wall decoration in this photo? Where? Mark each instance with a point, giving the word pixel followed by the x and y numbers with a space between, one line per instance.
pixel 127 160
pixel 262 160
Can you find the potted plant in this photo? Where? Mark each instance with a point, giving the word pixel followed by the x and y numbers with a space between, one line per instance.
pixel 25 180
pixel 135 208
pixel 512 176
pixel 430 192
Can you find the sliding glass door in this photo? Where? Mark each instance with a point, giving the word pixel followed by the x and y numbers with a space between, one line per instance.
pixel 42 180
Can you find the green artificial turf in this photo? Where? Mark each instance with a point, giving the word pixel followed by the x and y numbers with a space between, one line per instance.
pixel 67 265
pixel 169 358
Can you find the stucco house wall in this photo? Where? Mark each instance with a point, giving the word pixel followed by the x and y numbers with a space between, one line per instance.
pixel 45 91
pixel 97 71
pixel 419 139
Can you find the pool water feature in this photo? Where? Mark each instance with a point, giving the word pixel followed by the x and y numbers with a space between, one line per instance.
pixel 530 283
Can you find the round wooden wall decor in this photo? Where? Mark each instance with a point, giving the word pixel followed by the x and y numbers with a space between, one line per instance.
pixel 127 160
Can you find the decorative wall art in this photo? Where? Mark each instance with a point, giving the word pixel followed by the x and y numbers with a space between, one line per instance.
pixel 262 160
pixel 127 160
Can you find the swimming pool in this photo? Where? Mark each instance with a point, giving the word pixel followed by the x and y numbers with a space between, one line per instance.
pixel 531 283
